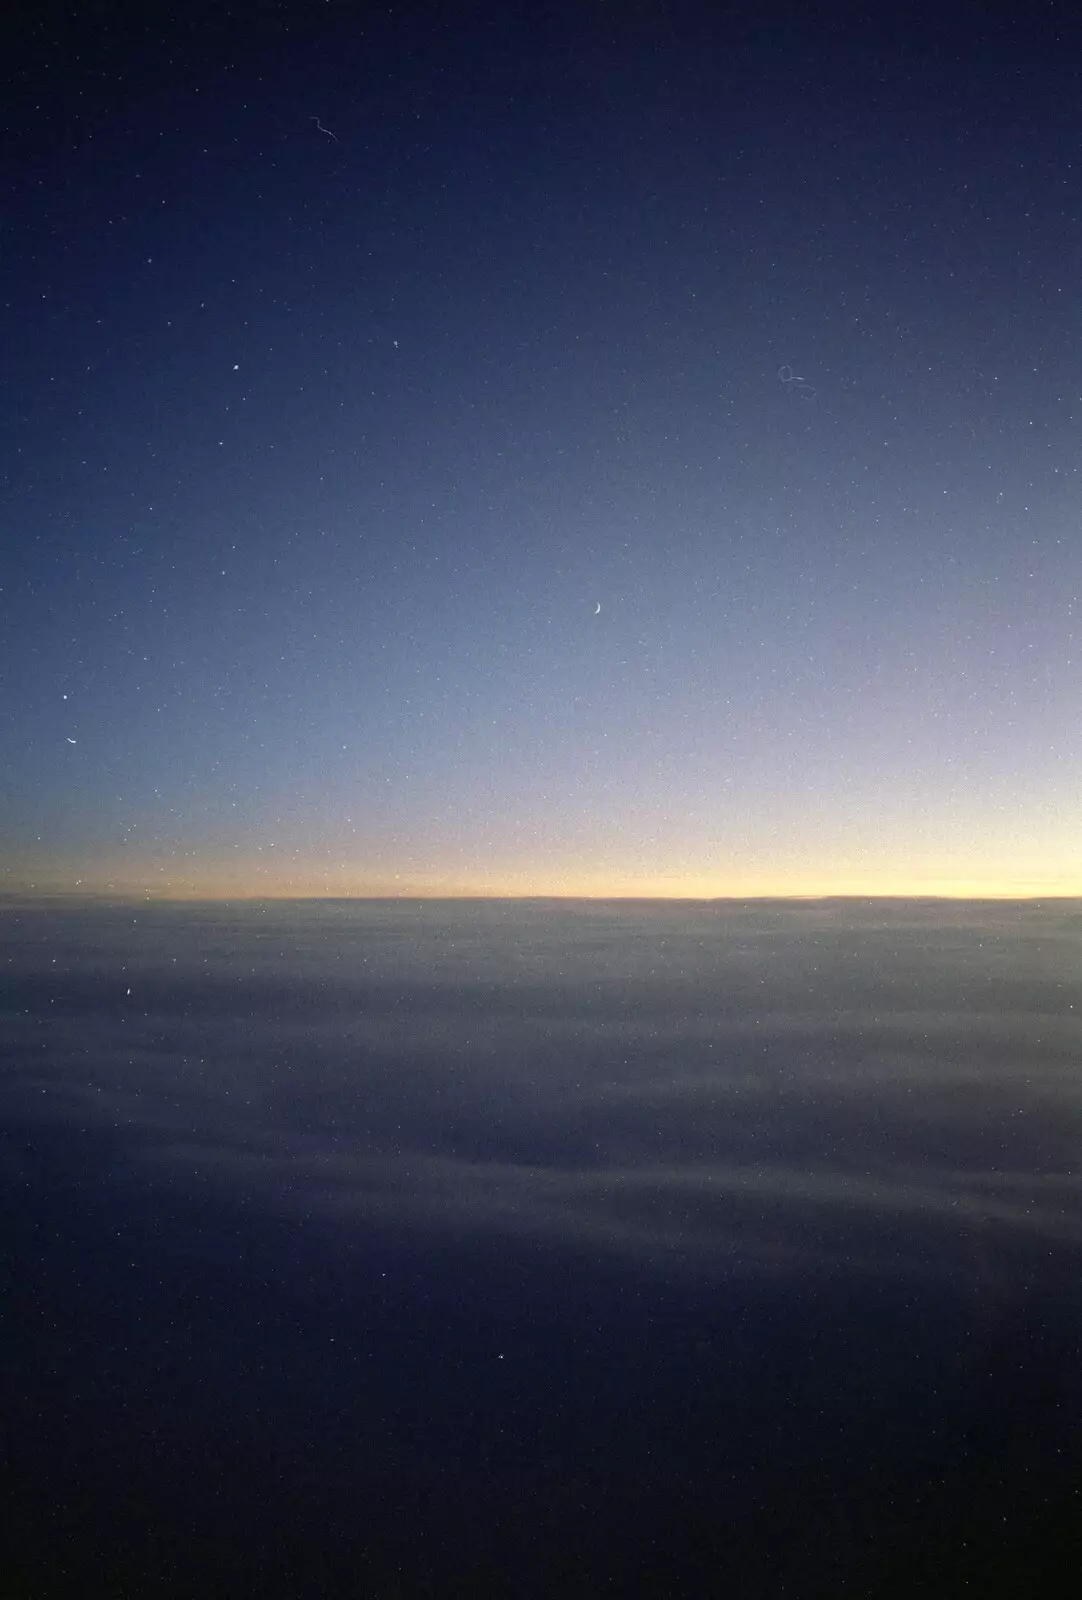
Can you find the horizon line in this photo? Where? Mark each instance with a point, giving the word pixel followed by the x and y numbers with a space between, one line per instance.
pixel 8 897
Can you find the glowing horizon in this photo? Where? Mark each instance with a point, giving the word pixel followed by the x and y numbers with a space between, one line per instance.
pixel 161 882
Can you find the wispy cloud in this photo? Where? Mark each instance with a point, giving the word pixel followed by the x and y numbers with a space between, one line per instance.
pixel 538 1078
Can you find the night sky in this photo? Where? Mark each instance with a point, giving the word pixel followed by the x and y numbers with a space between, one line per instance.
pixel 563 449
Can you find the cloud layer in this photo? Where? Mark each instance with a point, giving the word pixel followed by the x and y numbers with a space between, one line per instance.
pixel 830 1088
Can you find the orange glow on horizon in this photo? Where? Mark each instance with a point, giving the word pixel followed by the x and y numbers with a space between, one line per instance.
pixel 237 881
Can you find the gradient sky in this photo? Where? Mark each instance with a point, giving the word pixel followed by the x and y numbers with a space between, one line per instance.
pixel 353 361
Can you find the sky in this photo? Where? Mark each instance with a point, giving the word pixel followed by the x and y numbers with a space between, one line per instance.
pixel 563 450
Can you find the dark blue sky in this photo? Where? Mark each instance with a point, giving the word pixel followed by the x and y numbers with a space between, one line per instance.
pixel 353 361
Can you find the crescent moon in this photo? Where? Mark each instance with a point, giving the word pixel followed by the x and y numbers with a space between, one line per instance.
pixel 597 612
